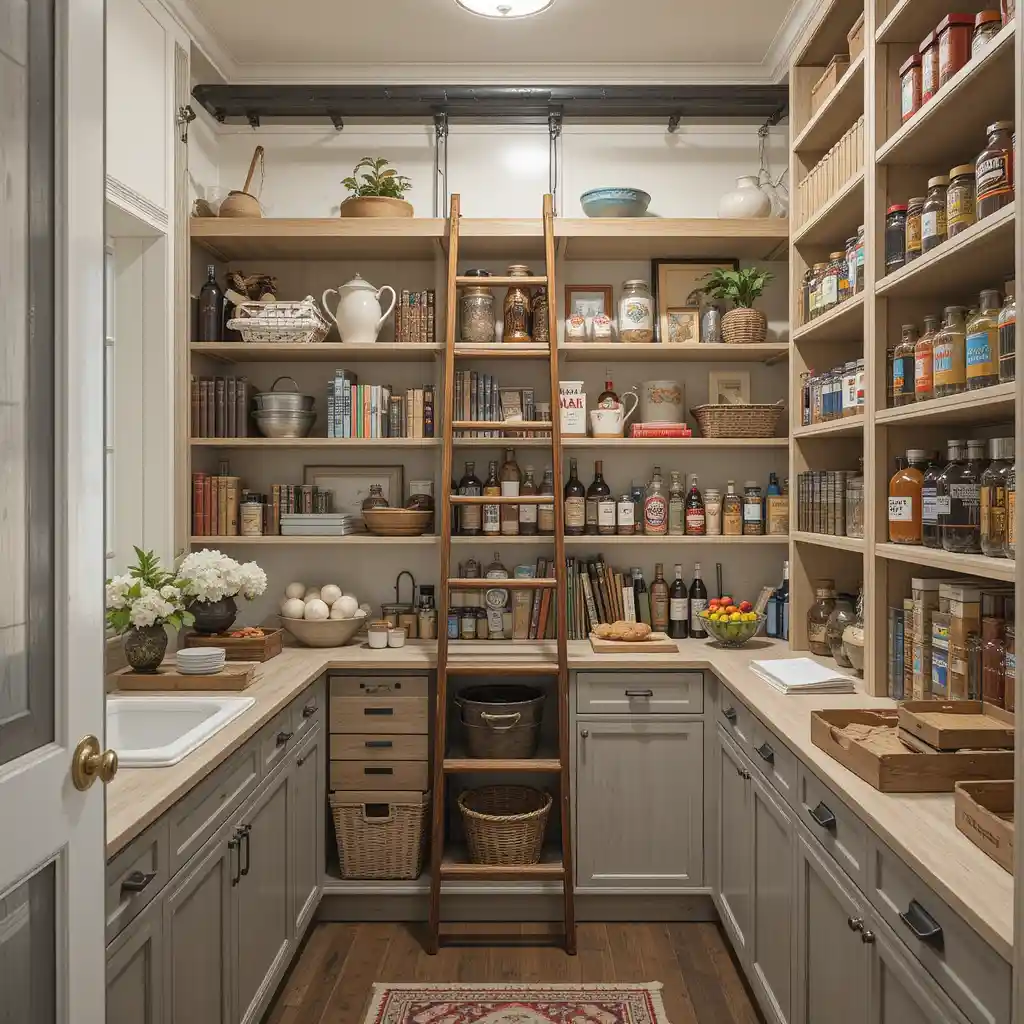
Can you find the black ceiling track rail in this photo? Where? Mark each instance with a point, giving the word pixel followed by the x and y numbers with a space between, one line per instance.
pixel 248 104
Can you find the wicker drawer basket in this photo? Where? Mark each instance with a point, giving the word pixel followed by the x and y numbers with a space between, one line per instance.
pixel 505 824
pixel 738 420
pixel 380 835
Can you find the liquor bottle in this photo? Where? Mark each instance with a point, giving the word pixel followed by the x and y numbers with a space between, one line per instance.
pixel 676 507
pixel 655 507
pixel 469 515
pixel 776 506
pixel 659 600
pixel 771 616
pixel 905 498
pixel 732 512
pixel 678 608
pixel 696 524
pixel 510 481
pixel 608 399
pixel 528 512
pixel 597 490
pixel 961 528
pixel 698 602
pixel 546 513
pixel 956 451
pixel 575 503
pixel 930 535
pixel 211 307
pixel 641 599
pixel 491 514
pixel 782 600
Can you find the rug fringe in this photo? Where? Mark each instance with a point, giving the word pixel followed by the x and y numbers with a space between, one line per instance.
pixel 546 986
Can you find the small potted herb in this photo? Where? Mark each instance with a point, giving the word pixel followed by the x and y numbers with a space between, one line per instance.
pixel 377 191
pixel 742 324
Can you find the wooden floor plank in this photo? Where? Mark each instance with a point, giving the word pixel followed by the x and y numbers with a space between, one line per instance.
pixel 316 996
pixel 626 962
pixel 403 954
pixel 701 977
pixel 660 964
pixel 306 968
pixel 594 955
pixel 351 994
pixel 729 979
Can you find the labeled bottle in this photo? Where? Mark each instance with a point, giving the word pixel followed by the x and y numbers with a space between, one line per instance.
pixel 961 528
pixel 546 513
pixel 1011 512
pixel 625 515
pixel 732 511
pixel 1007 327
pixel 903 367
pixel 491 513
pixel 713 511
pixel 950 367
pixel 933 213
pixel 931 536
pixel 817 617
pixel 211 307
pixel 676 507
pixel 597 490
pixel 982 342
pixel 659 600
pixel 678 608
pixel 782 601
pixel 698 602
pixel 924 374
pixel 528 512
pixel 956 452
pixel 696 522
pixel 641 599
pixel 575 503
pixel 905 498
pixel 511 479
pixel 753 509
pixel 994 170
pixel 470 515
pixel 655 507
pixel 993 496
pixel 776 507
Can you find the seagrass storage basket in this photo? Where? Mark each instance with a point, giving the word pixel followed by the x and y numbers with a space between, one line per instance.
pixel 505 824
pixel 737 420
pixel 744 327
pixel 380 835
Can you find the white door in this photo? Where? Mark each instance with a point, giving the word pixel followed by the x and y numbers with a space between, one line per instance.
pixel 51 508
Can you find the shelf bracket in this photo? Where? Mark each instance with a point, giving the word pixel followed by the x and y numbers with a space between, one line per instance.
pixel 673 123
pixel 775 116
pixel 186 115
pixel 441 164
pixel 554 134
pixel 253 119
pixel 336 120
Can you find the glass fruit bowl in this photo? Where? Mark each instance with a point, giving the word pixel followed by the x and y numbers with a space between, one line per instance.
pixel 733 634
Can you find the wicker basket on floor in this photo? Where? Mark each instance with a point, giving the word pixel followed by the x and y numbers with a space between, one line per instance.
pixel 744 327
pixel 380 840
pixel 505 824
pixel 737 420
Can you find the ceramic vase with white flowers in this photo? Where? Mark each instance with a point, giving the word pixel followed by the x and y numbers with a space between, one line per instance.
pixel 139 607
pixel 211 581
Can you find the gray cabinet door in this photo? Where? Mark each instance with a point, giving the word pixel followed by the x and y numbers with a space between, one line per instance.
pixel 639 804
pixel 735 846
pixel 773 880
pixel 135 971
pixel 306 828
pixel 831 977
pixel 262 897
pixel 198 936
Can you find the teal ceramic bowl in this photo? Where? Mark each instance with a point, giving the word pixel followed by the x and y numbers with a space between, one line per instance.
pixel 615 202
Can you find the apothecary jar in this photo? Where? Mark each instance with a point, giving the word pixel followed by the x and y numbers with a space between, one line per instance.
pixel 476 311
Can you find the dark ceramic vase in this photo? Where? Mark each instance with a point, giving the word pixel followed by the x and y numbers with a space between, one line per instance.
pixel 214 616
pixel 144 647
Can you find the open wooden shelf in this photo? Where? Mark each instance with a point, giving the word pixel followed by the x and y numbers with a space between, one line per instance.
pixel 595 540
pixel 605 352
pixel 499 350
pixel 911 20
pixel 626 443
pixel 456 865
pixel 845 322
pixel 935 558
pixel 540 539
pixel 828 36
pixel 325 352
pixel 987 405
pixel 833 118
pixel 849 426
pixel 837 220
pixel 826 540
pixel 544 762
pixel 269 540
pixel 288 443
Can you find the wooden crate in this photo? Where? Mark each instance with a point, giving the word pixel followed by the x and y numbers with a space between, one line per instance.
pixel 235 675
pixel 237 648
pixel 822 88
pixel 888 768
pixel 984 813
pixel 958 724
pixel 855 38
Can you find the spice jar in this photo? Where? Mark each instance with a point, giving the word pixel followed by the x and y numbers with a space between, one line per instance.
pixel 986 27
pixel 732 512
pixel 817 617
pixel 517 308
pixel 933 213
pixel 960 200
pixel 950 370
pixel 851 263
pixel 817 289
pixel 753 510
pixel 830 284
pixel 1010 670
pixel 895 237
pixel 713 511
pixel 929 49
pixel 924 380
pixel 954 33
pixel 993 496
pixel 910 87
pixel 982 343
pixel 476 310
pixel 636 313
pixel 1007 328
pixel 915 206
pixel 251 516
pixel 994 169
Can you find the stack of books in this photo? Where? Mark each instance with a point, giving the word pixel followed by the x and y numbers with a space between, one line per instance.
pixel 375 410
pixel 596 593
pixel 215 501
pixel 660 430
pixel 414 317
pixel 219 406
pixel 323 524
pixel 478 396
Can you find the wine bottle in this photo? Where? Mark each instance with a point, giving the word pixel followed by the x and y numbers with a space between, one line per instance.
pixel 469 515
pixel 211 307
pixel 698 602
pixel 491 514
pixel 641 599
pixel 546 513
pixel 659 600
pixel 696 523
pixel 678 608
pixel 528 511
pixel 511 479
pixel 597 490
pixel 575 503
pixel 676 507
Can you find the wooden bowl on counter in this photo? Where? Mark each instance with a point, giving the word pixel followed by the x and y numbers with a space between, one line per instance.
pixel 397 522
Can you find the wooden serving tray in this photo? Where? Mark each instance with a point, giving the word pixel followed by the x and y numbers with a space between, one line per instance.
pixel 958 724
pixel 656 643
pixel 237 648
pixel 235 675
pixel 984 813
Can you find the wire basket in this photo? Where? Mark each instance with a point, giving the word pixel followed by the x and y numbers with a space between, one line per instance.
pixel 280 323
pixel 738 420
pixel 505 824
pixel 380 840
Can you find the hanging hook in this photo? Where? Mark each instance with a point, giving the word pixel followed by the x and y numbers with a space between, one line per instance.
pixel 253 119
pixel 186 115
pixel 336 120
pixel 673 123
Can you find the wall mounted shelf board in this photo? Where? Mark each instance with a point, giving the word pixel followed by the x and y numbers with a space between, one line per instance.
pixel 325 352
pixel 600 352
pixel 826 540
pixel 987 405
pixel 837 219
pixel 972 565
pixel 842 107
pixel 844 322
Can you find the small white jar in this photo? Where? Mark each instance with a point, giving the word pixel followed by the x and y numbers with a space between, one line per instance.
pixel 396 637
pixel 377 635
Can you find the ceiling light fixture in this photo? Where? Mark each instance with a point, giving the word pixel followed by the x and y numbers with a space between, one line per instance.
pixel 505 9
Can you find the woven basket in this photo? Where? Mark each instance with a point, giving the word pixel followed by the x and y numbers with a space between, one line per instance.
pixel 744 327
pixel 504 824
pixel 280 323
pixel 737 420
pixel 386 840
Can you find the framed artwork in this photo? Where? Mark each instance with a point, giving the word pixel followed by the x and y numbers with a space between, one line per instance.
pixel 676 284
pixel 588 300
pixel 682 325
pixel 729 387
pixel 350 485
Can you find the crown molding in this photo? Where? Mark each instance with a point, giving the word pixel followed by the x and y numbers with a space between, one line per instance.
pixel 780 52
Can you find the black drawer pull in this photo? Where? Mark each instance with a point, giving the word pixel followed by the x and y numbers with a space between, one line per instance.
pixel 766 752
pixel 378 711
pixel 379 744
pixel 822 816
pixel 729 714
pixel 309 710
pixel 283 738
pixel 639 693
pixel 373 769
pixel 922 924
pixel 136 881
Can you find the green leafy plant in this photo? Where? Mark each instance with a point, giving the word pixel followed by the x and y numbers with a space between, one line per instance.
pixel 740 287
pixel 378 179
pixel 148 595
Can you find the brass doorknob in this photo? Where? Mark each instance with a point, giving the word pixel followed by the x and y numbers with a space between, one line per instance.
pixel 89 763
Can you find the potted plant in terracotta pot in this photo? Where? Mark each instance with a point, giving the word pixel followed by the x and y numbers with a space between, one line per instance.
pixel 139 607
pixel 210 582
pixel 742 324
pixel 377 192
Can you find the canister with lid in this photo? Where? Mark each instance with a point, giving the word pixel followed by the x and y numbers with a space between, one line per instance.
pixel 895 237
pixel 994 170
pixel 476 310
pixel 910 87
pixel 933 213
pixel 960 199
pixel 986 27
pixel 954 33
pixel 517 309
pixel 929 67
pixel 915 208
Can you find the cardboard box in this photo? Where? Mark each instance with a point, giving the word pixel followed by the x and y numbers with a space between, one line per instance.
pixel 984 813
pixel 855 38
pixel 823 87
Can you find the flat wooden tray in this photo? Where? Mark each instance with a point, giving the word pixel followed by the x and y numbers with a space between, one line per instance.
pixel 656 643
pixel 958 724
pixel 984 813
pixel 235 675
pixel 238 648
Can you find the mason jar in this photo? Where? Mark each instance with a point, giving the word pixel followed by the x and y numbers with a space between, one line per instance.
pixel 476 309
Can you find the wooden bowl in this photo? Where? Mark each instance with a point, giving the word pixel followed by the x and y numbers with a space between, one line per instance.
pixel 375 206
pixel 396 522
pixel 240 204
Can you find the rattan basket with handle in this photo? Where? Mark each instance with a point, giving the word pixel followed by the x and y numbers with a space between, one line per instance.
pixel 744 327
pixel 737 420
pixel 380 835
pixel 504 824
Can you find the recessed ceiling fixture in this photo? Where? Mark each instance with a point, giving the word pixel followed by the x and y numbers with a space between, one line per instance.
pixel 507 9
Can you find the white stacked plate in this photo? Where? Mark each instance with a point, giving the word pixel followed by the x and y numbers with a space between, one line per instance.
pixel 200 661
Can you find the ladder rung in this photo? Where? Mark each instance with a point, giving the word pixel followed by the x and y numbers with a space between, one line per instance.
pixel 504 668
pixel 509 427
pixel 511 939
pixel 501 499
pixel 502 764
pixel 503 282
pixel 500 350
pixel 507 872
pixel 475 583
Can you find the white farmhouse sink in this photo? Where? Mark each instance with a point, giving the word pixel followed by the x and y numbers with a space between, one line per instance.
pixel 154 732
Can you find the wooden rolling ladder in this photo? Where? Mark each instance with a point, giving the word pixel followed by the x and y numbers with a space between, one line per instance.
pixel 499 658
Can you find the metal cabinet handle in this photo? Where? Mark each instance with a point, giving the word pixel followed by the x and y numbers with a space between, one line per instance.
pixel 136 881
pixel 823 817
pixel 584 733
pixel 729 714
pixel 867 937
pixel 309 710
pixel 378 744
pixel 233 844
pixel 766 752
pixel 856 924
pixel 743 773
pixel 922 924
pixel 283 738
pixel 639 693
pixel 300 761
pixel 245 830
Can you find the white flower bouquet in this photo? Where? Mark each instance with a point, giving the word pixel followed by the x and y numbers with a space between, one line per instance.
pixel 147 596
pixel 208 576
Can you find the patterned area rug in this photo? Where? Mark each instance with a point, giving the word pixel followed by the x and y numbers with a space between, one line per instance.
pixel 516 1004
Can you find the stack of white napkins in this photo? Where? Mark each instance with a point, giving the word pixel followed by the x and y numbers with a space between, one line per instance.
pixel 801 675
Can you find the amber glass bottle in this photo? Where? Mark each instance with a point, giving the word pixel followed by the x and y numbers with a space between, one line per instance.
pixel 905 498
pixel 924 378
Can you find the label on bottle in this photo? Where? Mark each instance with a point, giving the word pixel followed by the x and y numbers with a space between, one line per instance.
pixel 933 225
pixel 908 94
pixel 751 511
pixel 575 513
pixel 676 517
pixel 590 514
pixel 732 524
pixel 695 522
pixel 830 290
pixel 528 513
pixel 624 512
pixel 968 495
pixel 901 510
pixel 923 382
pixel 697 605
pixel 913 235
pixel 903 372
pixel 929 505
pixel 981 354
pixel 942 505
pixel 655 514
pixel 817 632
pixel 659 609
pixel 677 610
pixel 994 176
pixel 546 518
pixel 510 488
pixel 606 514
pixel 469 518
pixel 948 370
pixel 1011 521
pixel 960 209
pixel 778 514
pixel 491 513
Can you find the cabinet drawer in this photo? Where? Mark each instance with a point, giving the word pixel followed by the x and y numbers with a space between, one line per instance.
pixel 776 761
pixel 275 739
pixel 135 876
pixel 353 747
pixel 973 974
pixel 833 824
pixel 379 686
pixel 735 718
pixel 388 775
pixel 308 711
pixel 639 693
pixel 379 715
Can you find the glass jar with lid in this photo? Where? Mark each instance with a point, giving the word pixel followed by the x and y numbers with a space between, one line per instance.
pixel 915 208
pixel 960 200
pixel 817 617
pixel 986 27
pixel 476 311
pixel 895 237
pixel 949 362
pixel 981 351
pixel 843 614
pixel 805 295
pixel 905 498
pixel 842 268
pixel 961 525
pixel 854 500
pixel 817 285
pixel 994 170
pixel 636 313
pixel 375 499
pixel 753 509
pixel 859 283
pixel 903 368
pixel 517 307
pixel 993 496
pixel 1010 545
pixel 1007 328
pixel 830 284
pixel 933 213
pixel 539 317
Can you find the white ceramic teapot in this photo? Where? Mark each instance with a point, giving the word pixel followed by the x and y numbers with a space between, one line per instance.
pixel 358 313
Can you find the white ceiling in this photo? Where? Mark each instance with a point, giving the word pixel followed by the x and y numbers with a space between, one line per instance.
pixel 672 40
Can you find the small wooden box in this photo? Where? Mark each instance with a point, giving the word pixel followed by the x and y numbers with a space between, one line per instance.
pixel 235 675
pixel 855 38
pixel 958 724
pixel 383 716
pixel 822 88
pixel 388 775
pixel 984 813
pixel 241 648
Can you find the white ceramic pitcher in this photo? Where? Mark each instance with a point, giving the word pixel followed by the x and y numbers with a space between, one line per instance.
pixel 358 313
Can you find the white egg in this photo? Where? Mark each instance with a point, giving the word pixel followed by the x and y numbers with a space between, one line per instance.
pixel 364 607
pixel 330 593
pixel 295 590
pixel 316 609
pixel 293 608
pixel 344 608
pixel 347 593
pixel 312 594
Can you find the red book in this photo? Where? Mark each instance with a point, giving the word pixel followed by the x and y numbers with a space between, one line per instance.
pixel 198 504
pixel 660 430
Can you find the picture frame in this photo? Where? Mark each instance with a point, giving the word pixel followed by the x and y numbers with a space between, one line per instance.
pixel 728 387
pixel 589 300
pixel 682 325
pixel 675 284
pixel 350 485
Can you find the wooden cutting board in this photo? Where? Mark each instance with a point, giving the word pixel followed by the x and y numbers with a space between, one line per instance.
pixel 656 643
pixel 235 675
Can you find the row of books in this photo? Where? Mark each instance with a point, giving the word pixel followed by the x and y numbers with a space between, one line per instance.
pixel 414 317
pixel 219 406
pixel 478 396
pixel 596 593
pixel 216 502
pixel 374 410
